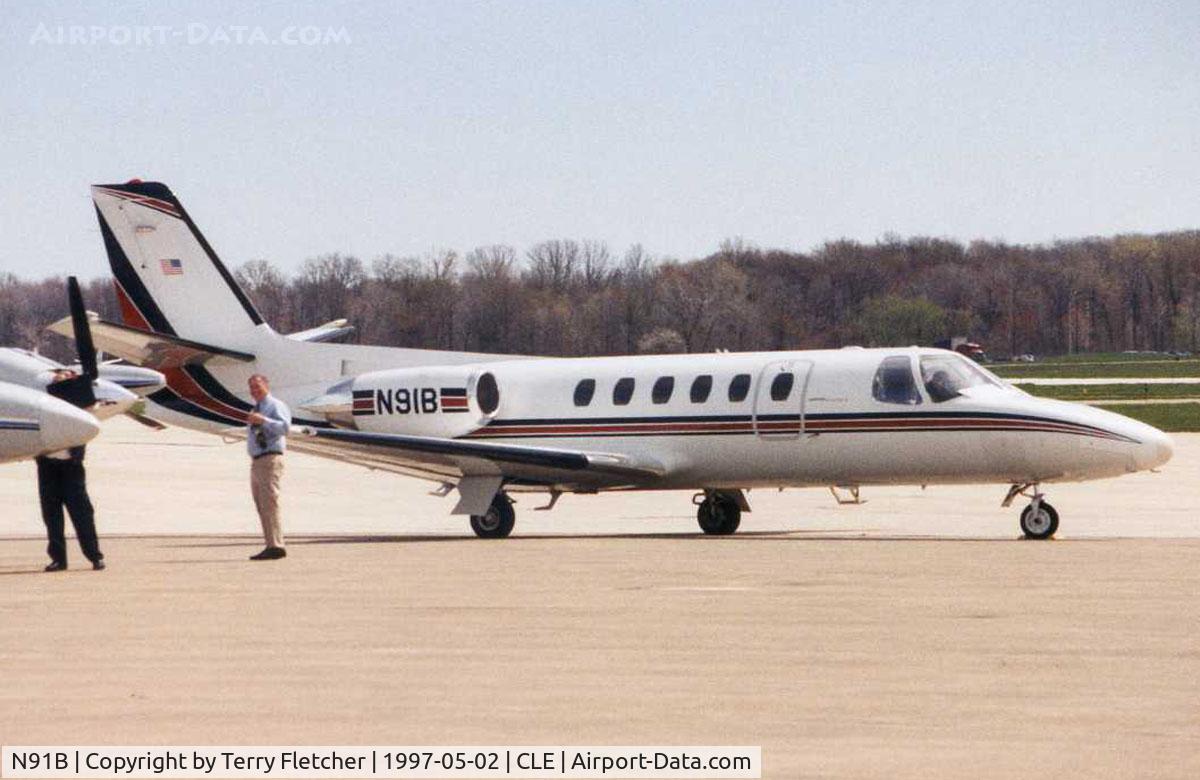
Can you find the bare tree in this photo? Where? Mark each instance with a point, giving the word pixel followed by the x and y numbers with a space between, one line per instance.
pixel 595 264
pixel 268 288
pixel 325 288
pixel 553 264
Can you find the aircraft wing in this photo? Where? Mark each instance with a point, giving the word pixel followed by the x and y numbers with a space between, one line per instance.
pixel 152 350
pixel 454 459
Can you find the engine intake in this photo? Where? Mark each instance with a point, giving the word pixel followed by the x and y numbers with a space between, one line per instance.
pixel 442 401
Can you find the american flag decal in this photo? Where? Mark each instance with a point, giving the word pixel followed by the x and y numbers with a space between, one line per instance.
pixel 364 403
pixel 171 266
pixel 454 399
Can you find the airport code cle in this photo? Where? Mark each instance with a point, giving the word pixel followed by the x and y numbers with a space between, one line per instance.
pixel 383 762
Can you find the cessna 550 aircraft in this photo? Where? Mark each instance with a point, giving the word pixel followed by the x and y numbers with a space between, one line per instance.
pixel 488 425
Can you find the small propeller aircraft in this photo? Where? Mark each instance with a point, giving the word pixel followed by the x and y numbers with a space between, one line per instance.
pixel 490 425
pixel 33 421
pixel 115 388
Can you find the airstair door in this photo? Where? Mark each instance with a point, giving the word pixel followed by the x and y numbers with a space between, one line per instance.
pixel 779 399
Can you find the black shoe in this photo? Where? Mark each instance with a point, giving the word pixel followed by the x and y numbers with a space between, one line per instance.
pixel 98 565
pixel 270 554
pixel 56 566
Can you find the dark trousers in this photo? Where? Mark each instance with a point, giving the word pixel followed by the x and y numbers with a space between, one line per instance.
pixel 64 483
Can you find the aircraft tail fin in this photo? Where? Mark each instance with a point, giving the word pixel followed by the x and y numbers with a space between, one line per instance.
pixel 168 278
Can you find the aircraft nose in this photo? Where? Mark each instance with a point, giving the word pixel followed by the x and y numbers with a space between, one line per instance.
pixel 1155 447
pixel 1160 449
pixel 64 426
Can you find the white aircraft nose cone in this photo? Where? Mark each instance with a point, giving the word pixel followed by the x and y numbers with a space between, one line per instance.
pixel 1156 448
pixel 1164 449
pixel 64 426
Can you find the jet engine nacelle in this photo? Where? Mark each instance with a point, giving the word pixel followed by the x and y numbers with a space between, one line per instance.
pixel 441 401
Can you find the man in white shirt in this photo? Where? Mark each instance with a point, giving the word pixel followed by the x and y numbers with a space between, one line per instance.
pixel 266 442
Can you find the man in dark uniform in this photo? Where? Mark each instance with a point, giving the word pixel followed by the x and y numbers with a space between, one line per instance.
pixel 63 482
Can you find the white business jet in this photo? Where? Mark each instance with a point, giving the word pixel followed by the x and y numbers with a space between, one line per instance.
pixel 489 425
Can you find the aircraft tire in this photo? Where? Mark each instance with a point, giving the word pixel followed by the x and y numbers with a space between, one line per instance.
pixel 499 520
pixel 719 515
pixel 1041 527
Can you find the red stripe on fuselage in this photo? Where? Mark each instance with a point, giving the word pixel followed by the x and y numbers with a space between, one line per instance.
pixel 666 428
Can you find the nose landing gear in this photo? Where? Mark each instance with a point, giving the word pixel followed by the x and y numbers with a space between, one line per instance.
pixel 1039 520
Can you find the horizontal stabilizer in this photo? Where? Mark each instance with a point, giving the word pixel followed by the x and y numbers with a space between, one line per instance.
pixel 330 331
pixel 152 350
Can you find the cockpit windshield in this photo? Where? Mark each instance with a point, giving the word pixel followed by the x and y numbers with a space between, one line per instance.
pixel 946 376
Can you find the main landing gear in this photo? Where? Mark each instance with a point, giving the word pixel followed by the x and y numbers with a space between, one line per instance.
pixel 718 513
pixel 1039 520
pixel 499 520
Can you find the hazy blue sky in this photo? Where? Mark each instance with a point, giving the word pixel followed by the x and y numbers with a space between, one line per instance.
pixel 448 125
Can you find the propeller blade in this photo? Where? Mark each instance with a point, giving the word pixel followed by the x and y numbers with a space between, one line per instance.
pixel 83 331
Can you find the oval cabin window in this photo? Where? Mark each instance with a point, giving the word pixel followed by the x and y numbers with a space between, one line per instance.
pixel 584 392
pixel 623 391
pixel 701 387
pixel 663 387
pixel 781 387
pixel 739 388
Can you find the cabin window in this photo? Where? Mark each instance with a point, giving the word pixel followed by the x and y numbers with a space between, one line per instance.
pixel 663 387
pixel 894 383
pixel 487 394
pixel 701 387
pixel 623 391
pixel 584 391
pixel 739 388
pixel 781 386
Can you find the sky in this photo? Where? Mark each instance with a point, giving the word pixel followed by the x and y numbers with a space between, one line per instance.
pixel 291 130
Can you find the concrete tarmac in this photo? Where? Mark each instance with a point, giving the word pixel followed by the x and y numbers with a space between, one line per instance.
pixel 913 636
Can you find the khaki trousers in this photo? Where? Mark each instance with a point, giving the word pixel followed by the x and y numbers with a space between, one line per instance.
pixel 265 473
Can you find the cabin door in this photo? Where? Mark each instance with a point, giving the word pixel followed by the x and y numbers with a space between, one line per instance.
pixel 779 399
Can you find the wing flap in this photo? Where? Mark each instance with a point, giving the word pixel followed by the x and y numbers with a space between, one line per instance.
pixel 152 350
pixel 537 465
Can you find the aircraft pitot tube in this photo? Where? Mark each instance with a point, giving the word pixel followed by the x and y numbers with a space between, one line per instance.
pixel 442 401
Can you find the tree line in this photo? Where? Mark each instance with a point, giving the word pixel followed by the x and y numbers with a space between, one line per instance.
pixel 567 297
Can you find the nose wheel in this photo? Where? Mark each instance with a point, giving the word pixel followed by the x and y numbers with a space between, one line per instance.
pixel 1039 520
